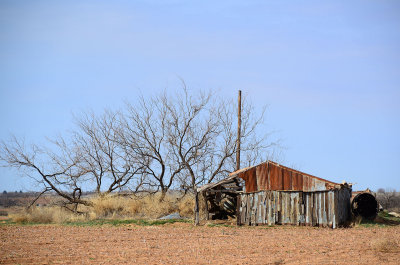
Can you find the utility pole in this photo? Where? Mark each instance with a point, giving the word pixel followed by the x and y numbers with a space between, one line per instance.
pixel 239 130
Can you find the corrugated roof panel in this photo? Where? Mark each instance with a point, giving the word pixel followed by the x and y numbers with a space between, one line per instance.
pixel 297 181
pixel 275 176
pixel 262 177
pixel 287 179
pixel 250 178
pixel 300 180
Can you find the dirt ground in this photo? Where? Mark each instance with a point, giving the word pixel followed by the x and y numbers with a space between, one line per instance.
pixel 181 243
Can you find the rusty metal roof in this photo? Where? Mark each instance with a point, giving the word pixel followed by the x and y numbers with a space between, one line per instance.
pixel 273 176
pixel 270 175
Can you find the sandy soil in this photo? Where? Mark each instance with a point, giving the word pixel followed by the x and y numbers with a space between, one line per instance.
pixel 186 244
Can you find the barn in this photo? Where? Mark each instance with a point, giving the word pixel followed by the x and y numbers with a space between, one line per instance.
pixel 270 193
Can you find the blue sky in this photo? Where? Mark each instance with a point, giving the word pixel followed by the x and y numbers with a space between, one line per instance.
pixel 328 70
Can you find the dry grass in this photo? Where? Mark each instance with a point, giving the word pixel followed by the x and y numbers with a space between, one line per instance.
pixel 385 245
pixel 148 206
pixel 186 206
pixel 46 215
pixel 111 206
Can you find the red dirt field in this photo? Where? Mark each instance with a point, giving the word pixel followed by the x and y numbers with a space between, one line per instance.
pixel 186 244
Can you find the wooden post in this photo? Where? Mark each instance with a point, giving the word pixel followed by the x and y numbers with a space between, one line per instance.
pixel 239 130
pixel 196 210
pixel 204 193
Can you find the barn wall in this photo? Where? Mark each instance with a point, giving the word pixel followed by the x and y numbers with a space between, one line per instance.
pixel 321 208
pixel 344 211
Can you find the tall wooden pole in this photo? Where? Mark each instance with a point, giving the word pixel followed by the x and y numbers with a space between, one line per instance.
pixel 239 130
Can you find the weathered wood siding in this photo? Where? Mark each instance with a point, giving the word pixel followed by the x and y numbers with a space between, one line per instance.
pixel 320 208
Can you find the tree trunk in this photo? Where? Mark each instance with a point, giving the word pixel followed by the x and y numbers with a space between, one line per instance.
pixel 163 194
pixel 196 209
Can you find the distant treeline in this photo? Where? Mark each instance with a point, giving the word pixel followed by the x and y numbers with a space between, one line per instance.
pixel 389 199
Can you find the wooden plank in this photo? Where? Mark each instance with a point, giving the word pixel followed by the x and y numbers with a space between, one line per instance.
pixel 254 209
pixel 335 219
pixel 308 209
pixel 301 209
pixel 205 201
pixel 248 209
pixel 289 208
pixel 269 208
pixel 238 206
pixel 314 209
pixel 346 202
pixel 320 218
pixel 279 206
pixel 263 206
pixel 306 199
pixel 295 208
pixel 236 190
pixel 342 206
pixel 323 209
pixel 283 207
pixel 331 207
pixel 274 208
pixel 259 208
pixel 327 207
pixel 244 209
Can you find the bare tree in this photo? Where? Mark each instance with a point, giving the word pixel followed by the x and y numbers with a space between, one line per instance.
pixel 388 198
pixel 55 169
pixel 104 158
pixel 202 136
pixel 168 141
pixel 93 157
pixel 187 140
pixel 145 135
